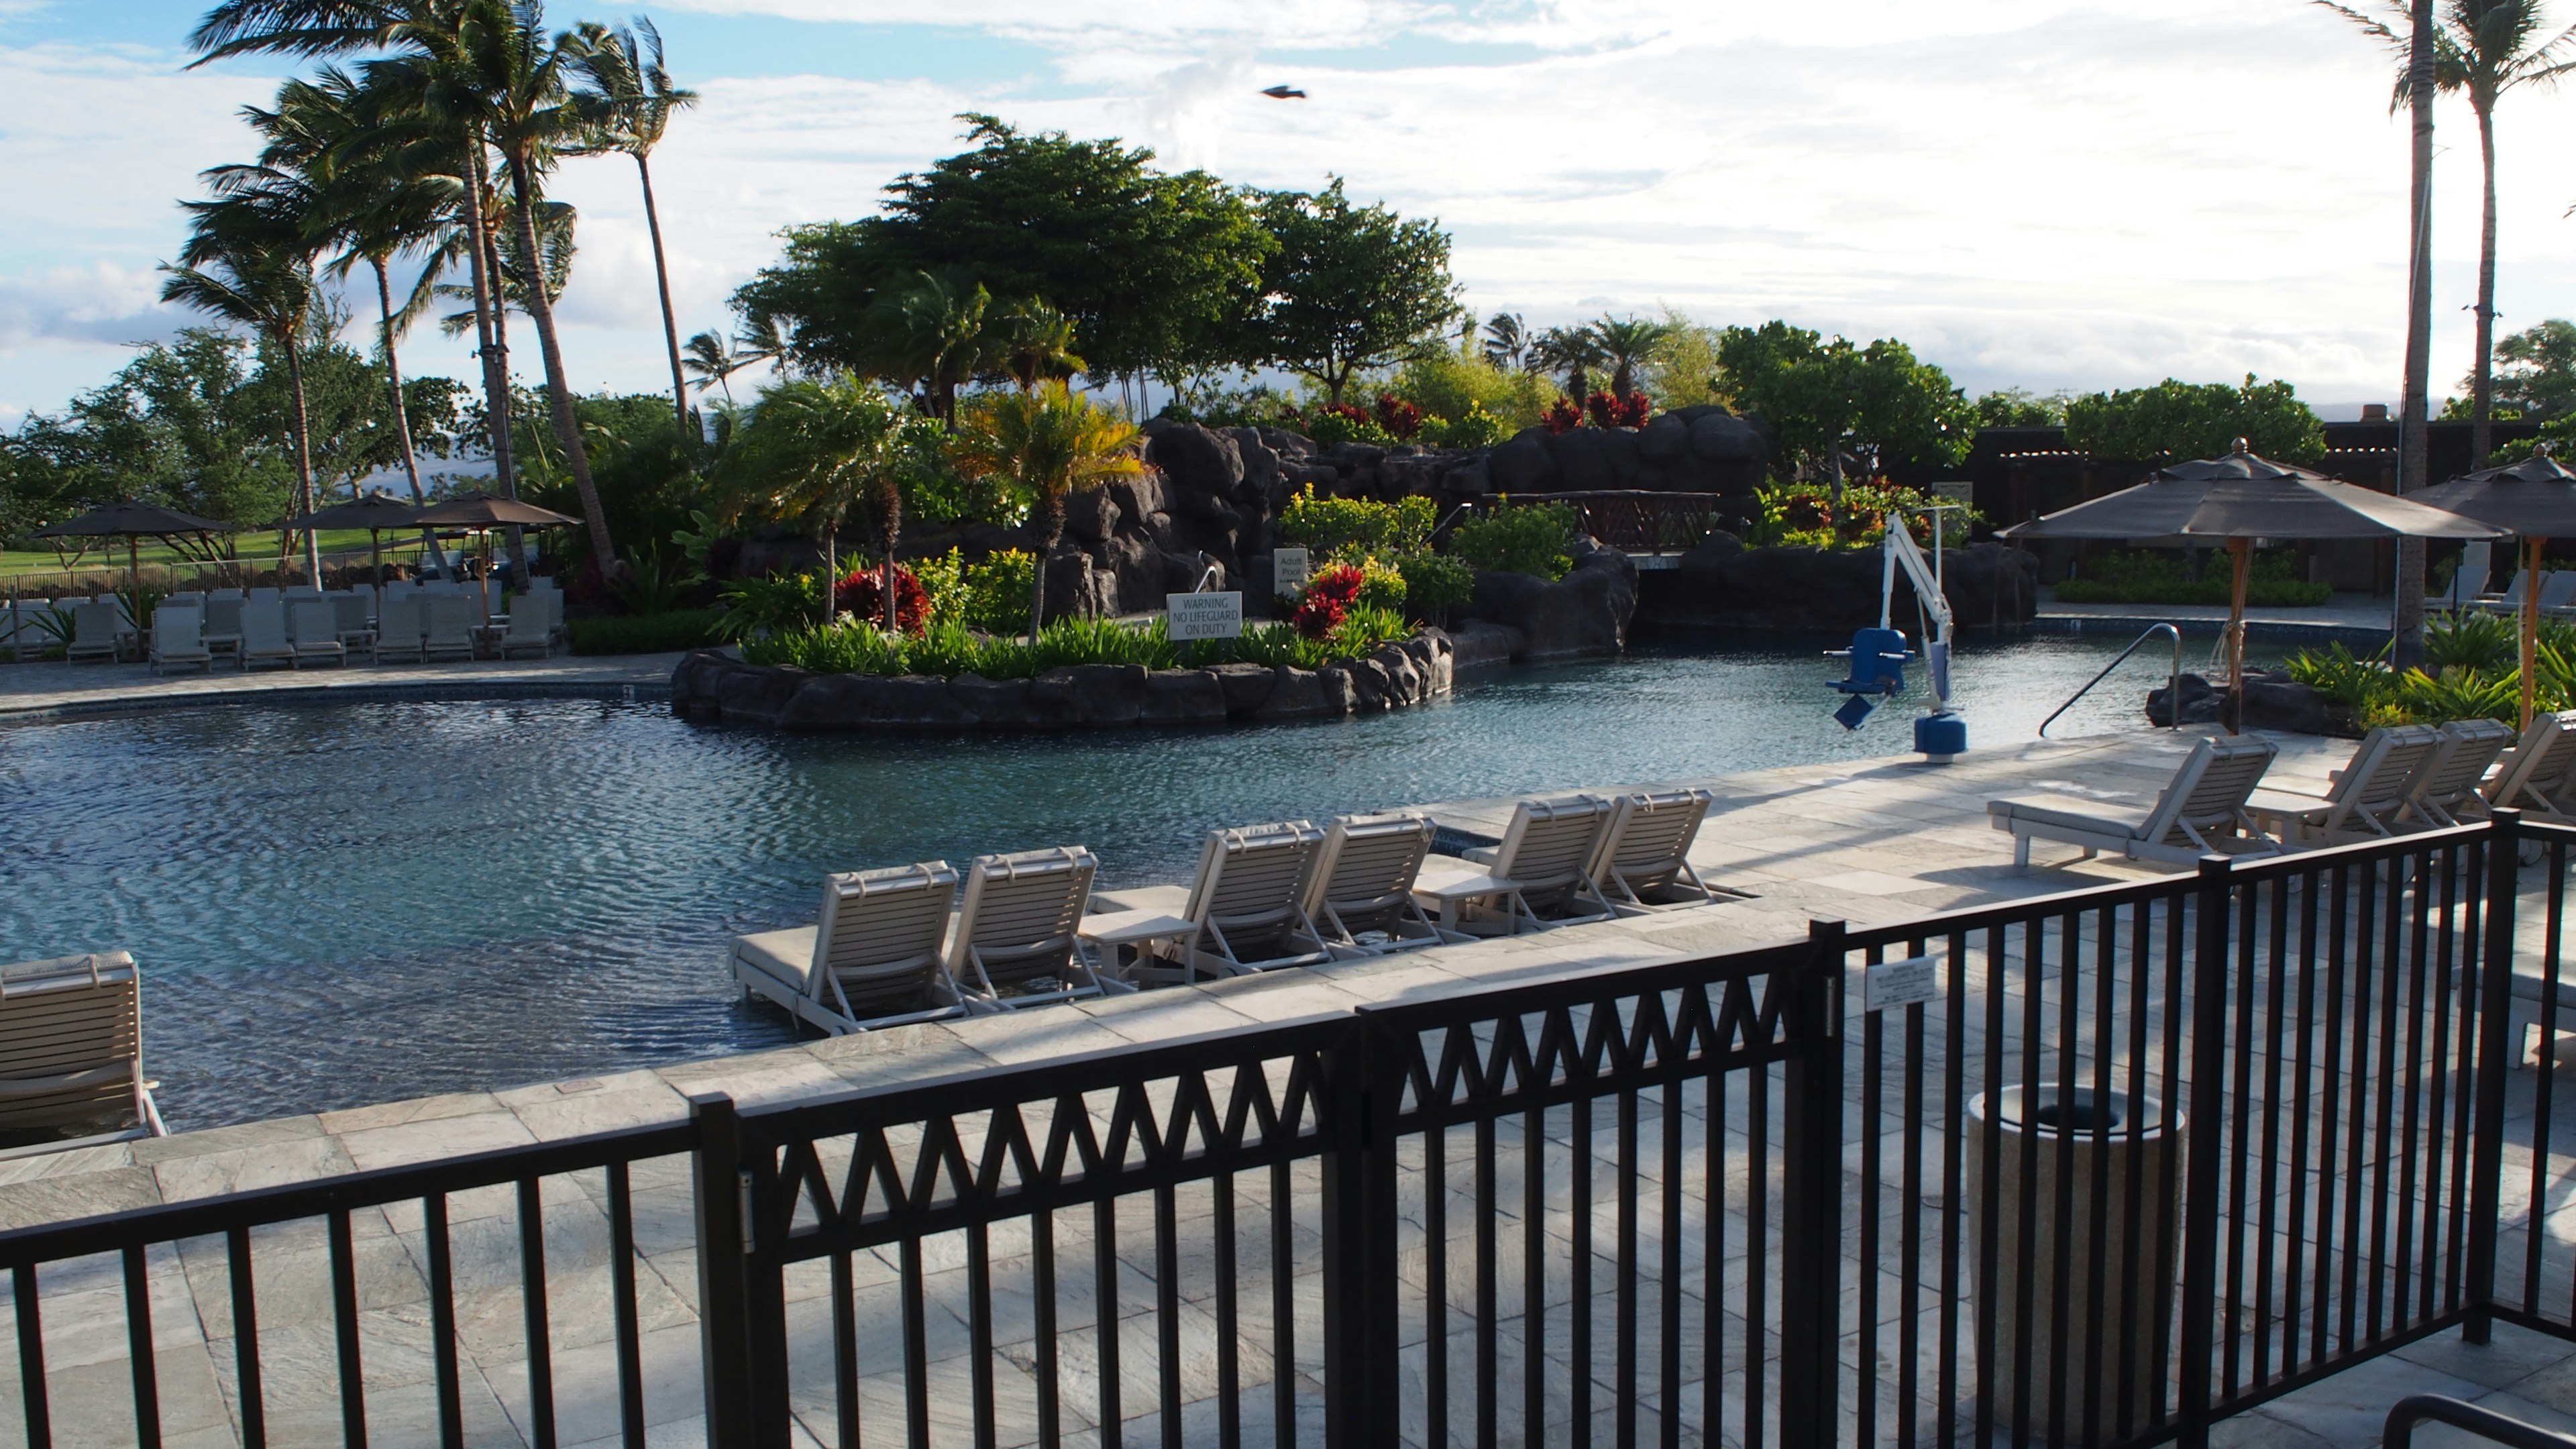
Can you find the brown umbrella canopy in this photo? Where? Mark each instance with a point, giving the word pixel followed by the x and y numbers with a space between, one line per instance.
pixel 2534 499
pixel 482 510
pixel 375 510
pixel 132 519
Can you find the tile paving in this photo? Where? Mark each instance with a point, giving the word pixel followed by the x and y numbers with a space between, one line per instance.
pixel 1874 841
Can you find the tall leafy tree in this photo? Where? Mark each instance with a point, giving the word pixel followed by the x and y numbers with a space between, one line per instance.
pixel 2482 49
pixel 932 331
pixel 1832 400
pixel 629 99
pixel 813 450
pixel 2537 371
pixel 1570 353
pixel 2175 420
pixel 1629 343
pixel 1351 287
pixel 1046 445
pixel 1035 344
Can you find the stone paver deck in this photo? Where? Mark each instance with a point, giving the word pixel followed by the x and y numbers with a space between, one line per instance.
pixel 1872 841
pixel 35 690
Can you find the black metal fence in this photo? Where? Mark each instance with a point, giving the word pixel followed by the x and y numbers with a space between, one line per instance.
pixel 1643 521
pixel 2106 1167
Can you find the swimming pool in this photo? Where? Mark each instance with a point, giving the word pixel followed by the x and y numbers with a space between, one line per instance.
pixel 340 904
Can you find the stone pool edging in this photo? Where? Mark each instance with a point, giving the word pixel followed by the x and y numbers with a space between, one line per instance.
pixel 712 685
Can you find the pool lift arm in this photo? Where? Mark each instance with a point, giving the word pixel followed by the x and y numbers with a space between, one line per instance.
pixel 1878 656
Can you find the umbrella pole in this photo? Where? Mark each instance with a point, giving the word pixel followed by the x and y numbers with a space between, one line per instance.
pixel 2242 550
pixel 2530 622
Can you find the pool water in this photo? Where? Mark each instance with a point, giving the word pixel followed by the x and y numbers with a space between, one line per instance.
pixel 352 903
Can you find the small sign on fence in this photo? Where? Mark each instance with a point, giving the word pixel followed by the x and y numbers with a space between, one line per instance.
pixel 1289 569
pixel 1907 982
pixel 1205 616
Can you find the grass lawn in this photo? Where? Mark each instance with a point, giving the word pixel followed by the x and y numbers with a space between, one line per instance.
pixel 27 568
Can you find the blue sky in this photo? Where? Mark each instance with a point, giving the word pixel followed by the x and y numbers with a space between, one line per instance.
pixel 2042 193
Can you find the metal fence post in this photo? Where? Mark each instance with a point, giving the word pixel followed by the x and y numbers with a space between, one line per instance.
pixel 1811 1198
pixel 2495 1061
pixel 724 1307
pixel 2213 903
pixel 1360 1370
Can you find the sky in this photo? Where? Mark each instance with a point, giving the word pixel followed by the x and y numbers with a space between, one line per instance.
pixel 2047 194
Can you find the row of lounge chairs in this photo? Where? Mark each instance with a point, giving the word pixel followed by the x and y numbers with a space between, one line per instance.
pixel 2400 778
pixel 2557 594
pixel 191 631
pixel 925 942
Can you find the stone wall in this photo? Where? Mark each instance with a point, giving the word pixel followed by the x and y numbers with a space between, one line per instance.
pixel 714 686
pixel 1724 585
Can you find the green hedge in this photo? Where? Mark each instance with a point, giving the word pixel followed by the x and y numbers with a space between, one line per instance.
pixel 2264 593
pixel 663 633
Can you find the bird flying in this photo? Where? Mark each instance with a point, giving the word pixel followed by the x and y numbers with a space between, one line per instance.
pixel 1285 93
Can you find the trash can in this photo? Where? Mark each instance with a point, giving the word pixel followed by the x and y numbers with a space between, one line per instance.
pixel 2126 1145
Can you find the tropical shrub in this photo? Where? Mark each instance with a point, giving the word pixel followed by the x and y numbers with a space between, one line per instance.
pixel 991 595
pixel 1249 407
pixel 1401 420
pixel 2473 641
pixel 1472 428
pixel 1453 382
pixel 2151 577
pixel 862 592
pixel 853 646
pixel 1562 416
pixel 1631 411
pixel 661 633
pixel 1334 423
pixel 770 604
pixel 1327 600
pixel 1533 538
pixel 2475 674
pixel 1802 514
pixel 1434 584
pixel 1346 529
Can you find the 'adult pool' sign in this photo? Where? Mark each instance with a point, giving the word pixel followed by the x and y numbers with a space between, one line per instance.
pixel 1289 568
pixel 1205 616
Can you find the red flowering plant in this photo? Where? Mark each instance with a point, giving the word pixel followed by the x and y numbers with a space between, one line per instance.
pixel 1401 419
pixel 1328 597
pixel 1563 416
pixel 1620 412
pixel 861 592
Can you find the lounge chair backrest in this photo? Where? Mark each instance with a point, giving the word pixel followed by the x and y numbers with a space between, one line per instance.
pixel 2558 590
pixel 223 616
pixel 71 1041
pixel 2541 757
pixel 2469 747
pixel 225 595
pixel 400 625
pixel 313 622
pixel 1550 842
pixel 880 935
pixel 2513 591
pixel 2385 767
pixel 451 621
pixel 263 627
pixel 349 612
pixel 184 596
pixel 529 619
pixel 2209 791
pixel 1366 865
pixel 263 595
pixel 96 625
pixel 1020 910
pixel 1648 837
pixel 1253 874
pixel 175 628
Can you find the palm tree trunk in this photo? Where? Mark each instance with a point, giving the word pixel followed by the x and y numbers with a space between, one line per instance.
pixel 891 507
pixel 662 279
pixel 558 390
pixel 303 453
pixel 2482 387
pixel 495 349
pixel 831 575
pixel 402 417
pixel 2414 456
pixel 1050 528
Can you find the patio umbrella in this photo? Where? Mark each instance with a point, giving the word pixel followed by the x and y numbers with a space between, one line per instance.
pixel 134 521
pixel 2241 498
pixel 2534 500
pixel 374 512
pixel 483 511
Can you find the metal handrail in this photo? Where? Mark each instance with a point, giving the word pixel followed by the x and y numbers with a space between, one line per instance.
pixel 2485 1423
pixel 2173 687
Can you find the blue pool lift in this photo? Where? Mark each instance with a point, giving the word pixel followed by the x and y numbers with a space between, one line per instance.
pixel 1878 656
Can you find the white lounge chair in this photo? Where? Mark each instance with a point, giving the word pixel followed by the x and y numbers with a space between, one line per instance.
pixel 2368 797
pixel 314 627
pixel 2200 812
pixel 98 632
pixel 873 958
pixel 2446 789
pixel 177 641
pixel 349 613
pixel 1015 944
pixel 530 629
pixel 22 629
pixel 222 630
pixel 1245 911
pixel 1359 892
pixel 399 629
pixel 263 635
pixel 2535 774
pixel 452 621
pixel 1537 877
pixel 71 1054
pixel 2510 601
pixel 1642 863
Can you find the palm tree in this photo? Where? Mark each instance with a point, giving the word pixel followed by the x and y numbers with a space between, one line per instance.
pixel 1037 345
pixel 1624 343
pixel 1049 444
pixel 1572 352
pixel 815 449
pixel 629 100
pixel 711 356
pixel 247 263
pixel 2482 49
pixel 933 331
pixel 1507 340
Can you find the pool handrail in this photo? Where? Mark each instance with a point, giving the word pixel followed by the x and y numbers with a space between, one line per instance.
pixel 2173 686
pixel 2460 1414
